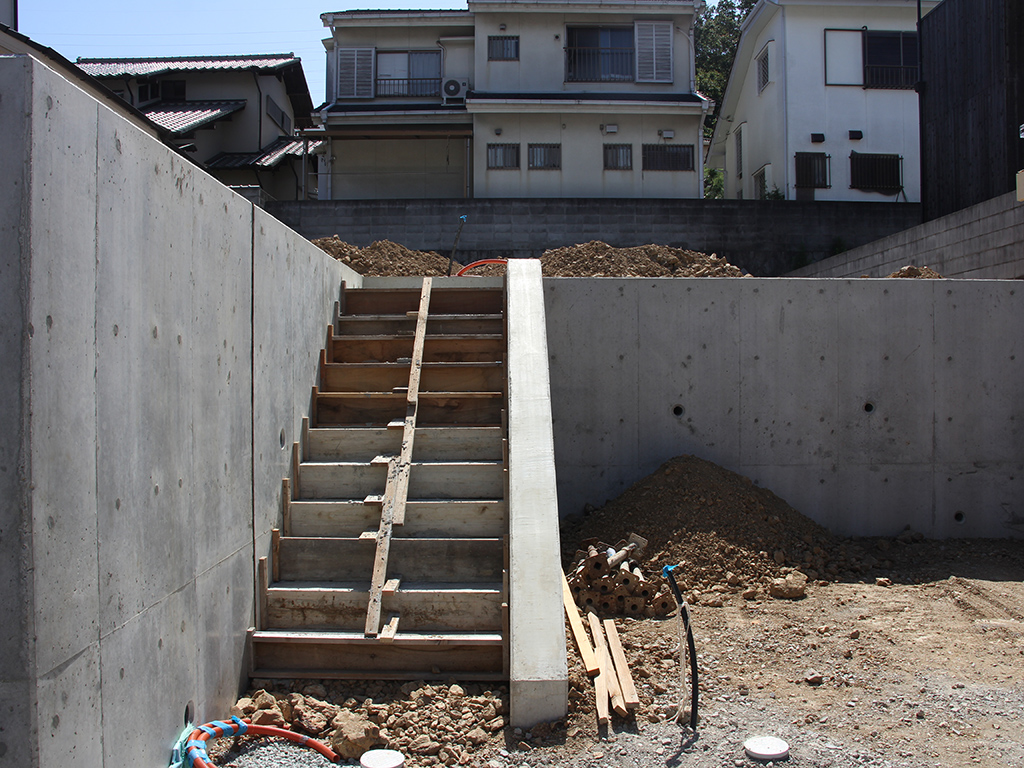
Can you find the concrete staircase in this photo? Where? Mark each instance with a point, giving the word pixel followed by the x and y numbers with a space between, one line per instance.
pixel 392 560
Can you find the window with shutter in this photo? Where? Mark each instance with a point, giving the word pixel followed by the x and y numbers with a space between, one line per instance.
pixel 653 51
pixel 355 73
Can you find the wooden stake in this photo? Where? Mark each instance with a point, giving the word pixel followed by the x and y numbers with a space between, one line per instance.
pixel 629 693
pixel 607 669
pixel 578 632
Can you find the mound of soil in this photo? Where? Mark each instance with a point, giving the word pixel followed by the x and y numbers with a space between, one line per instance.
pixel 598 259
pixel 910 270
pixel 384 258
pixel 720 527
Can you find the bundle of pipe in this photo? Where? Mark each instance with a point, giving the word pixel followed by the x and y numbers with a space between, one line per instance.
pixel 607 580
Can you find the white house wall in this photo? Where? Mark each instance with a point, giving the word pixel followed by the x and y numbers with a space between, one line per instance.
pixel 887 118
pixel 582 139
pixel 542 41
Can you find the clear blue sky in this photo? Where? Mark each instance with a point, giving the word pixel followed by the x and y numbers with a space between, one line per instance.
pixel 117 29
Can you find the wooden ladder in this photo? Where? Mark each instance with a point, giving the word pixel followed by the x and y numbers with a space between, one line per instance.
pixel 392 557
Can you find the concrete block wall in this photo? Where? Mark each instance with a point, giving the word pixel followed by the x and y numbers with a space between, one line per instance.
pixel 984 241
pixel 867 405
pixel 763 237
pixel 158 338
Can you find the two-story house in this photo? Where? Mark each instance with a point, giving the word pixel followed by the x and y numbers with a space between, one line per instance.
pixel 236 116
pixel 821 102
pixel 518 98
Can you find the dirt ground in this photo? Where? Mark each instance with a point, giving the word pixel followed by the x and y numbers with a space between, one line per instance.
pixel 903 652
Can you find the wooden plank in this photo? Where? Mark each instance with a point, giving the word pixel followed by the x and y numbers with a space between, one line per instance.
pixel 275 553
pixel 296 485
pixel 387 634
pixel 305 438
pixel 600 681
pixel 286 506
pixel 452 376
pixel 604 659
pixel 396 488
pixel 375 301
pixel 579 633
pixel 314 402
pixel 466 518
pixel 629 694
pixel 262 578
pixel 391 586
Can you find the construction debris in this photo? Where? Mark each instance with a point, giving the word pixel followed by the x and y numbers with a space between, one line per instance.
pixel 910 270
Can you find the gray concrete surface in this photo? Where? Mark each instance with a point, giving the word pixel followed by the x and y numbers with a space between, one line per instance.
pixel 127 467
pixel 867 405
pixel 985 241
pixel 539 680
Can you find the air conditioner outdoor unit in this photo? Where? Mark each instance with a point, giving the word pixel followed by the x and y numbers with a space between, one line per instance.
pixel 455 89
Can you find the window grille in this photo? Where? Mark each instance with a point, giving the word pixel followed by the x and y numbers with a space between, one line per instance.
pixel 762 71
pixel 599 54
pixel 618 157
pixel 760 185
pixel 503 48
pixel 813 170
pixel 279 116
pixel 546 157
pixel 668 157
pixel 890 59
pixel 502 157
pixel 876 172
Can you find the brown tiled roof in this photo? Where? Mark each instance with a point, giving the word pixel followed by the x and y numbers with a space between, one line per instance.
pixel 149 67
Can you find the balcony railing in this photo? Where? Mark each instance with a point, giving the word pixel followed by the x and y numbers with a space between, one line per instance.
pixel 599 65
pixel 408 86
pixel 889 76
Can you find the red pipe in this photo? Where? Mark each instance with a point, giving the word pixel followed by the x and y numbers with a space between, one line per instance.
pixel 468 267
pixel 196 751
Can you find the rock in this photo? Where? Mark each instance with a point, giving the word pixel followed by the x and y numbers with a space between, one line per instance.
pixel 272 717
pixel 263 700
pixel 749 593
pixel 882 581
pixel 793 587
pixel 496 724
pixel 477 736
pixel 814 678
pixel 423 745
pixel 779 557
pixel 316 690
pixel 353 734
pixel 243 707
pixel 309 719
pixel 456 692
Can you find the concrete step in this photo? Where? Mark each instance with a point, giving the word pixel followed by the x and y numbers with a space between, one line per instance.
pixel 431 443
pixel 423 519
pixel 423 606
pixel 427 480
pixel 392 301
pixel 351 655
pixel 381 408
pixel 416 559
pixel 405 325
pixel 435 377
pixel 381 349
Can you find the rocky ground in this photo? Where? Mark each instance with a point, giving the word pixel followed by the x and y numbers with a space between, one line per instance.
pixel 902 652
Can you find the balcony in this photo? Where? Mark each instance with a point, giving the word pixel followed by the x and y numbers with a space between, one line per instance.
pixel 890 76
pixel 408 86
pixel 600 65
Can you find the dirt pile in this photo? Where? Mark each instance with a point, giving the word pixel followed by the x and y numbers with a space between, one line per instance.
pixel 384 258
pixel 729 535
pixel 597 259
pixel 910 270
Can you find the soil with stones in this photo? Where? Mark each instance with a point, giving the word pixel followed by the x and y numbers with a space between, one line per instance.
pixel 910 270
pixel 903 652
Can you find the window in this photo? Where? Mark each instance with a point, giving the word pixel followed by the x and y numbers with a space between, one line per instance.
pixel 739 153
pixel 172 90
pixel 760 184
pixel 544 157
pixel 763 73
pixel 876 173
pixel 503 48
pixel 409 73
pixel 279 116
pixel 653 52
pixel 599 54
pixel 148 91
pixel 503 157
pixel 812 170
pixel 355 73
pixel 618 157
pixel 890 59
pixel 668 157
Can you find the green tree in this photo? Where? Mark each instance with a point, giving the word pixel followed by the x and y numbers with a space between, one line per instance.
pixel 716 35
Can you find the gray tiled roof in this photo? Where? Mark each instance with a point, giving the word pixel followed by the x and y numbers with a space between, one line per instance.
pixel 149 67
pixel 184 117
pixel 270 156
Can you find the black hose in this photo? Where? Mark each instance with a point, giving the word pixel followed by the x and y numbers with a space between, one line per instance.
pixel 691 647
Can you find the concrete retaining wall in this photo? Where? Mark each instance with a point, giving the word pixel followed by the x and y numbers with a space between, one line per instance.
pixel 763 237
pixel 985 241
pixel 867 405
pixel 145 310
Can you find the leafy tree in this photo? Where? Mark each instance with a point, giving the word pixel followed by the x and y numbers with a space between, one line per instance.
pixel 716 35
pixel 714 183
